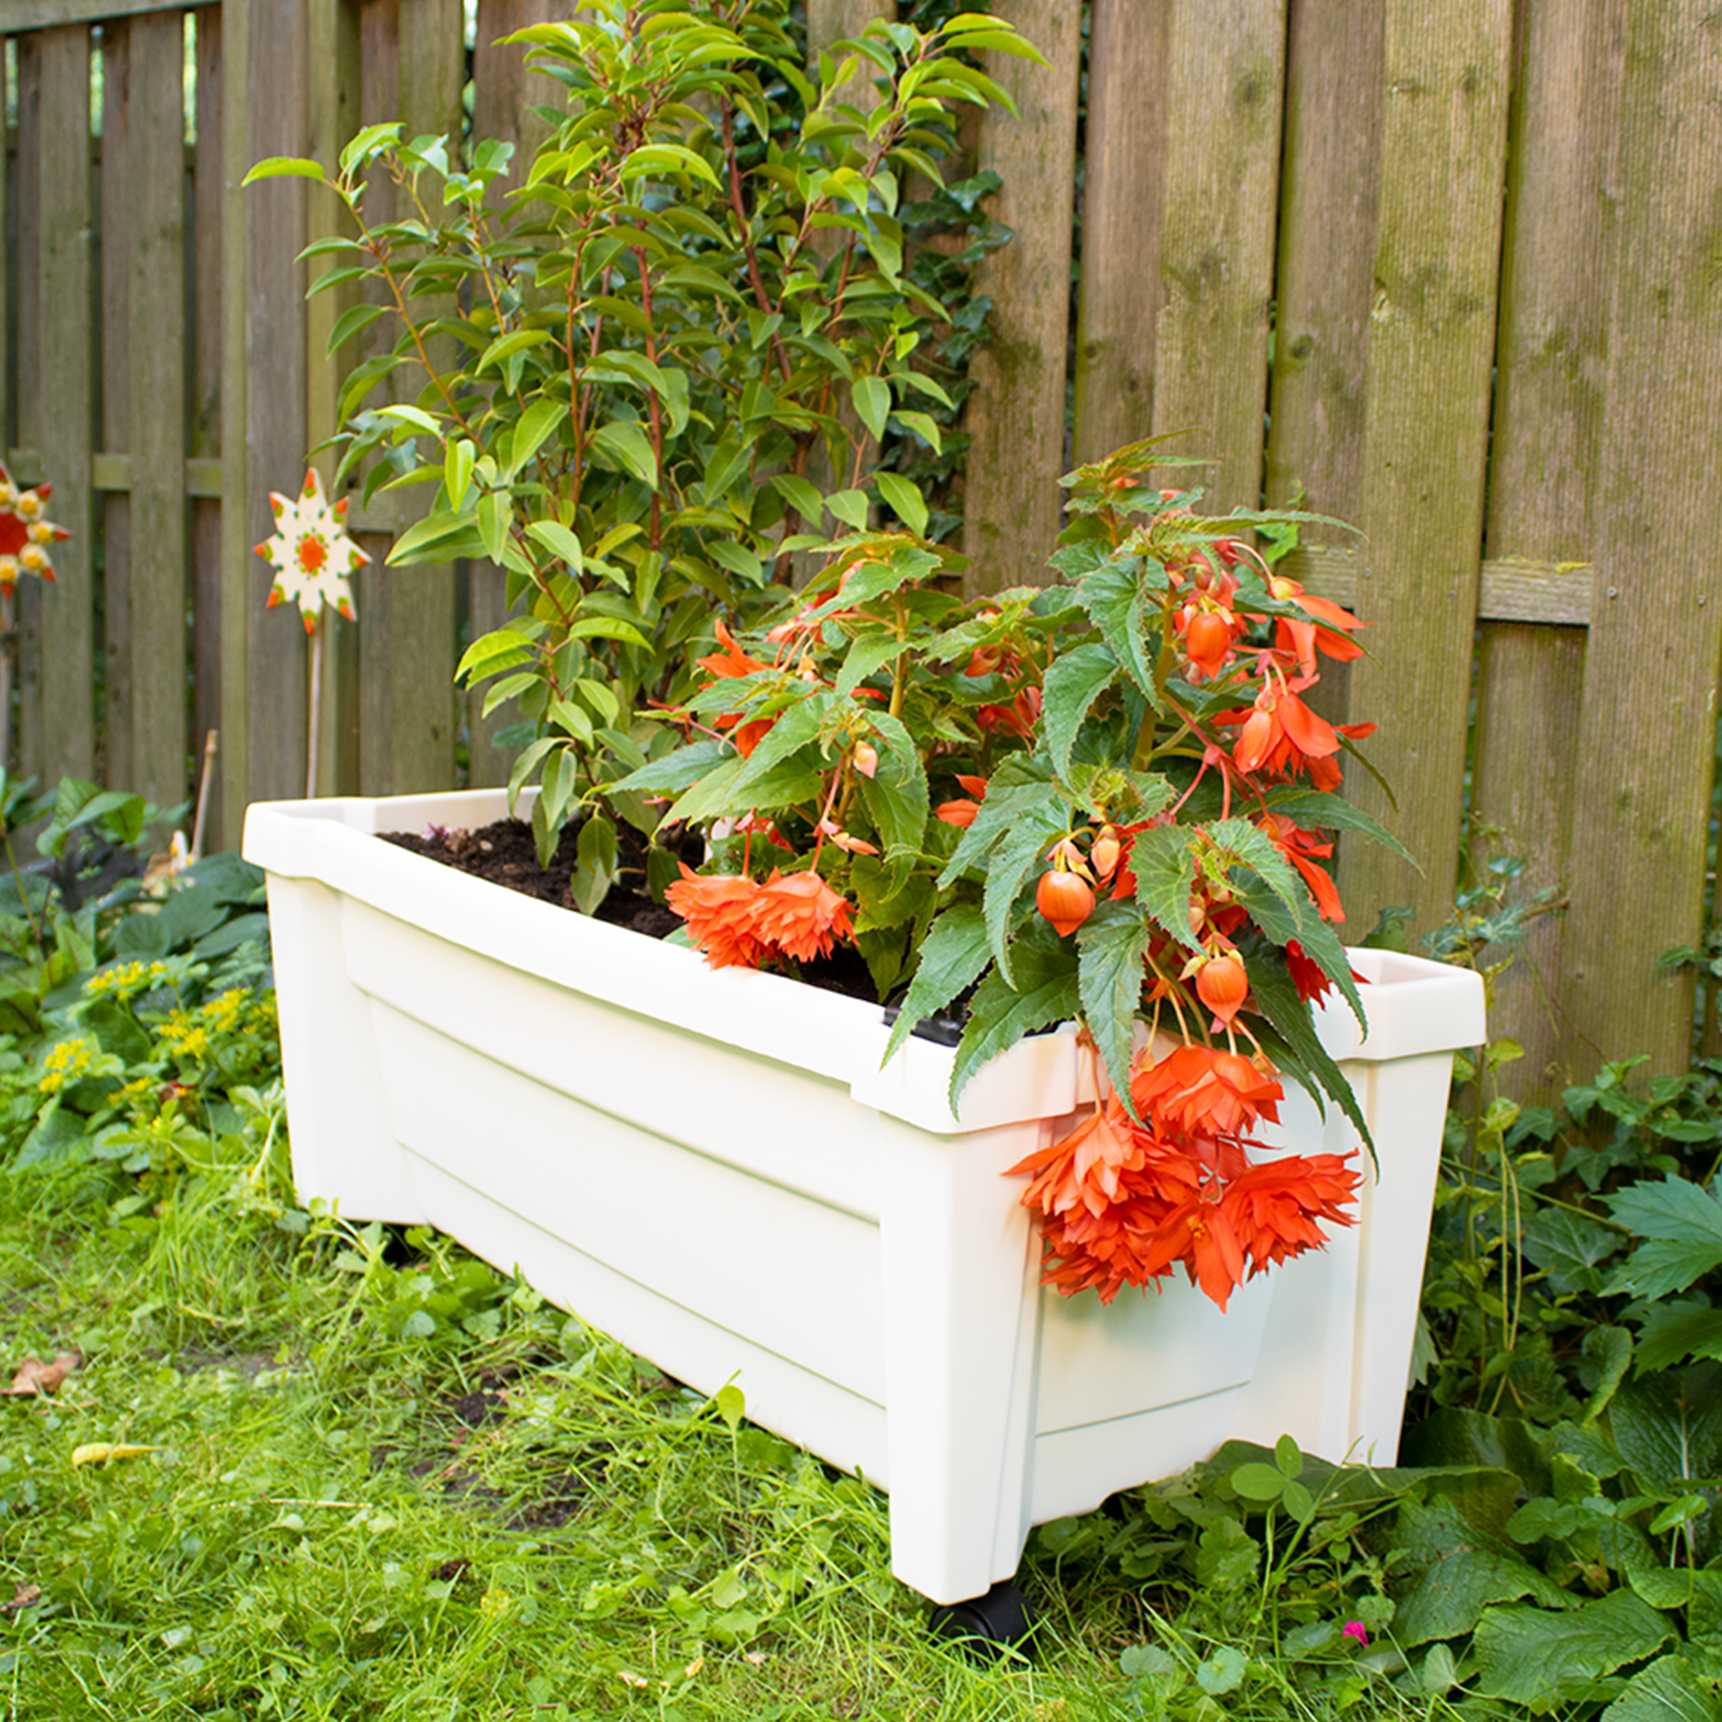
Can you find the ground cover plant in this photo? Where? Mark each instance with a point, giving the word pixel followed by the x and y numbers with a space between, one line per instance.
pixel 275 1464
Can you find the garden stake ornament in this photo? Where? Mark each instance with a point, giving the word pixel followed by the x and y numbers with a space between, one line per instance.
pixel 314 559
pixel 25 536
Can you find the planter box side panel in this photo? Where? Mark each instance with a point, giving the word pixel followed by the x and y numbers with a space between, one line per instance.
pixel 344 1153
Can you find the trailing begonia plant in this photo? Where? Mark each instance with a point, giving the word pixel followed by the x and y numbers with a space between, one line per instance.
pixel 685 345
pixel 1104 800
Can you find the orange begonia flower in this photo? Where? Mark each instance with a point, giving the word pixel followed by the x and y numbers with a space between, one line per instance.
pixel 1328 630
pixel 719 910
pixel 1303 849
pixel 1274 1208
pixel 1201 1089
pixel 962 810
pixel 729 660
pixel 1082 1167
pixel 798 915
pixel 1279 736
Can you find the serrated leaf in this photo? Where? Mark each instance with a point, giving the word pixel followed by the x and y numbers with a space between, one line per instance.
pixel 896 796
pixel 1110 946
pixel 1277 999
pixel 1672 1333
pixel 1074 681
pixel 1000 1015
pixel 1008 866
pixel 868 654
pixel 1165 867
pixel 1316 807
pixel 1532 1656
pixel 1681 1224
pixel 676 771
pixel 953 954
pixel 1007 804
pixel 1116 605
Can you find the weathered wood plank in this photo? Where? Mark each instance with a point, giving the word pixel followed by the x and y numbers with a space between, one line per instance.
pixel 1431 345
pixel 334 117
pixel 1509 590
pixel 26 730
pixel 8 249
pixel 1325 283
pixel 1214 249
pixel 263 667
pixel 1648 730
pixel 831 21
pixel 1016 415
pixel 504 96
pixel 204 436
pixel 44 14
pixel 157 639
pixel 66 422
pixel 1546 455
pixel 112 334
pixel 411 68
pixel 1123 285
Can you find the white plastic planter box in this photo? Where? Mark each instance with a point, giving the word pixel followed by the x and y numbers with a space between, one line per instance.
pixel 713 1167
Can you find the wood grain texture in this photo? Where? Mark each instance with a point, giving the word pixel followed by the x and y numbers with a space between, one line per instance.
pixel 1509 589
pixel 1546 456
pixel 411 63
pixel 504 96
pixel 157 637
pixel 66 415
pixel 204 432
pixel 1016 415
pixel 1123 287
pixel 1648 731
pixel 42 14
pixel 1225 60
pixel 26 238
pixel 831 21
pixel 268 85
pixel 116 179
pixel 8 252
pixel 1431 345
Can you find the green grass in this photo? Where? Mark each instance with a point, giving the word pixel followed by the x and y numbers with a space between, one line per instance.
pixel 508 1516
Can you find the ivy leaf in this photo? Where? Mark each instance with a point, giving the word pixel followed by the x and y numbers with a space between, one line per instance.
pixel 1532 1656
pixel 1165 867
pixel 953 954
pixel 1073 682
pixel 1674 1332
pixel 1046 993
pixel 1110 947
pixel 1682 1225
pixel 872 398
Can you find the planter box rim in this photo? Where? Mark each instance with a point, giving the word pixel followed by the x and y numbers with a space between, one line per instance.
pixel 1414 1005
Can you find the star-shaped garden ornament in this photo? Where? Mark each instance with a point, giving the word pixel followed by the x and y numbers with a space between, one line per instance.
pixel 311 554
pixel 26 532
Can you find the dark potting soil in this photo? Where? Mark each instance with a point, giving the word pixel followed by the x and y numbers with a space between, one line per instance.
pixel 505 854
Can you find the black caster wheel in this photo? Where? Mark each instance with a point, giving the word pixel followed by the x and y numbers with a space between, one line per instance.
pixel 986 1626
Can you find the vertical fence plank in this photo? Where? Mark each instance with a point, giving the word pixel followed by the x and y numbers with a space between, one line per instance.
pixel 263 664
pixel 1426 422
pixel 504 96
pixel 1330 185
pixel 1546 452
pixel 1648 731
pixel 1225 61
pixel 27 374
pixel 156 639
pixel 1015 418
pixel 204 437
pixel 412 62
pixel 1124 189
pixel 8 251
pixel 65 422
pixel 112 337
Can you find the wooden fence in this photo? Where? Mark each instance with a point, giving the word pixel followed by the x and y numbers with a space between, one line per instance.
pixel 1448 268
